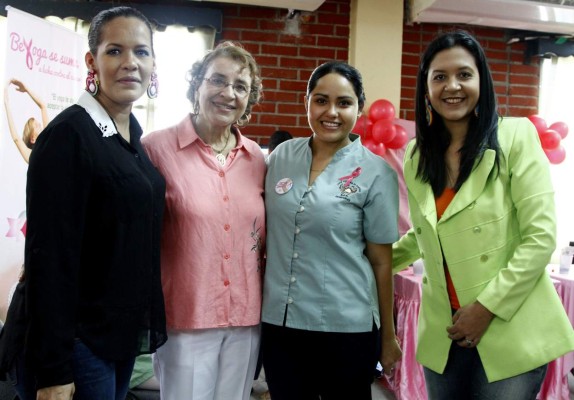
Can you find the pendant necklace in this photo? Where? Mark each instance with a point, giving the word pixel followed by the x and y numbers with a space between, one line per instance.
pixel 219 156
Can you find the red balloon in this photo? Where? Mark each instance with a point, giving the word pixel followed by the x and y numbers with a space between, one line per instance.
pixel 381 109
pixel 400 139
pixel 379 149
pixel 538 122
pixel 363 127
pixel 550 139
pixel 384 131
pixel 369 143
pixel 560 127
pixel 557 155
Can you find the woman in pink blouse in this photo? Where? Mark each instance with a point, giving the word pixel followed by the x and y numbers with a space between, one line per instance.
pixel 213 234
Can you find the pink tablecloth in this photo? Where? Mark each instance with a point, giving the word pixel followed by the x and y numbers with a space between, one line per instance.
pixel 555 386
pixel 408 381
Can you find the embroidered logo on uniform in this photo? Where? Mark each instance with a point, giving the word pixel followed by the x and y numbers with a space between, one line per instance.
pixel 346 185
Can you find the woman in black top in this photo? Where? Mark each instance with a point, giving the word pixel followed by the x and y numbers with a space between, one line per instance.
pixel 94 208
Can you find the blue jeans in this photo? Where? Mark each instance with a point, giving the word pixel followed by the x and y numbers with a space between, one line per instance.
pixel 464 378
pixel 94 378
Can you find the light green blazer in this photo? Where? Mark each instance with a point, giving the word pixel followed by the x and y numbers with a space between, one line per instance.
pixel 497 236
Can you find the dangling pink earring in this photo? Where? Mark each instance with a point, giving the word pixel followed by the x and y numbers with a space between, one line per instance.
pixel 428 109
pixel 92 83
pixel 153 86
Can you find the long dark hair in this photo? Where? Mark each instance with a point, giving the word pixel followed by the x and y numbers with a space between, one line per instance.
pixel 433 141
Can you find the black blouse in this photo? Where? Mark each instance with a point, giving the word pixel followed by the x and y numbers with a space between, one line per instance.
pixel 94 210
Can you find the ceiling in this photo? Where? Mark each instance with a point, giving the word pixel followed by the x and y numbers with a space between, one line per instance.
pixel 551 16
pixel 301 5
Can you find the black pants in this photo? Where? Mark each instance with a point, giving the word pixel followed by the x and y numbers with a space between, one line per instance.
pixel 308 365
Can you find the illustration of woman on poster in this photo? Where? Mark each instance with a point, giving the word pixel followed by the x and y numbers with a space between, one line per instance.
pixel 32 128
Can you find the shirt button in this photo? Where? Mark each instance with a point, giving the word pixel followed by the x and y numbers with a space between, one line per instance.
pixel 289 300
pixel 301 209
pixel 297 230
pixel 476 229
pixel 419 231
pixel 295 255
pixel 227 256
pixel 225 198
pixel 425 279
pixel 484 258
pixel 137 156
pixel 309 188
pixel 226 283
pixel 471 206
pixel 226 227
pixel 221 173
pixel 293 279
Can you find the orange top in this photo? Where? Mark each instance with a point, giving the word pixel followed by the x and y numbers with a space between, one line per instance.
pixel 442 203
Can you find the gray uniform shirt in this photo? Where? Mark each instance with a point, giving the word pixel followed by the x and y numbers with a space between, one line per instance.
pixel 318 277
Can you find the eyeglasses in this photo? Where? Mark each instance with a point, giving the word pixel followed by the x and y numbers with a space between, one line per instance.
pixel 240 89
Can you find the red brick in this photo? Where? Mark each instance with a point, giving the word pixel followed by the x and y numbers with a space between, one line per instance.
pixel 276 119
pixel 281 73
pixel 294 109
pixel 241 23
pixel 317 52
pixel 287 97
pixel 287 62
pixel 332 41
pixel 298 86
pixel 279 50
pixel 517 90
pixel 257 36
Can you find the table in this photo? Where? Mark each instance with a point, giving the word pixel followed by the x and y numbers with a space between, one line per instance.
pixel 408 381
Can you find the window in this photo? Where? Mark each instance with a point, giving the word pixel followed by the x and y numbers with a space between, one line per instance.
pixel 176 49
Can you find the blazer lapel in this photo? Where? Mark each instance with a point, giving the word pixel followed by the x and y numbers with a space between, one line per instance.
pixel 473 187
pixel 421 192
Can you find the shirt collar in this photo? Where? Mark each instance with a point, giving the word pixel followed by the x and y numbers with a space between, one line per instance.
pixel 98 114
pixel 186 135
pixel 342 152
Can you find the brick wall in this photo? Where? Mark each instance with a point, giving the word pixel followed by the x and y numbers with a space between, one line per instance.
pixel 289 49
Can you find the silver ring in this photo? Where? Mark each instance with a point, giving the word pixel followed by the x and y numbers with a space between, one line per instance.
pixel 468 342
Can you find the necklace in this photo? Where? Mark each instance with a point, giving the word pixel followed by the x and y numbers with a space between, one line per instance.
pixel 219 156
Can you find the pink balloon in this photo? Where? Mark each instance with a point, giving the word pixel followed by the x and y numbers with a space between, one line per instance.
pixel 557 155
pixel 381 109
pixel 400 139
pixel 538 122
pixel 560 127
pixel 363 127
pixel 550 139
pixel 384 131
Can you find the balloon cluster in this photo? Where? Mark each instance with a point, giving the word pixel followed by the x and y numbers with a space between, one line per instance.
pixel 378 131
pixel 551 138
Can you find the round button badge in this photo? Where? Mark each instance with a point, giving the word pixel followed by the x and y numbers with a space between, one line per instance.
pixel 283 186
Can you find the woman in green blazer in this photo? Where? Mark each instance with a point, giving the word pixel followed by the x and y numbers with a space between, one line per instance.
pixel 482 210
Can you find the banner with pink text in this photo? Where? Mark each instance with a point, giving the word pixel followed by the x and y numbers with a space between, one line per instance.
pixel 44 73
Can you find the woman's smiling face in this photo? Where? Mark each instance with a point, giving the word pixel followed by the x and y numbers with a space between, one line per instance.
pixel 223 106
pixel 453 85
pixel 332 108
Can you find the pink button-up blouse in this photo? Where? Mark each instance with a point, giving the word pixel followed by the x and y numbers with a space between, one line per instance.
pixel 213 234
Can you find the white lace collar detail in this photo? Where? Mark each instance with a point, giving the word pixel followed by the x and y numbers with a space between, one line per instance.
pixel 98 114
